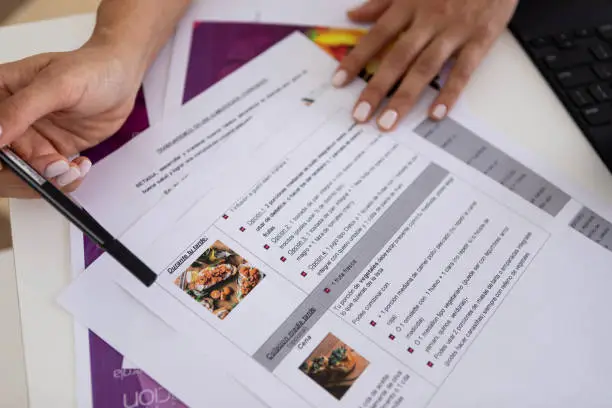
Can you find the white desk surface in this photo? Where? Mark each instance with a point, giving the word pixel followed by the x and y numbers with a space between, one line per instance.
pixel 507 94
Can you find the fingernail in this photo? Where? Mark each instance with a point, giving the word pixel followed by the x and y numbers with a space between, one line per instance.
pixel 339 78
pixel 388 119
pixel 84 167
pixel 69 177
pixel 56 169
pixel 362 112
pixel 439 111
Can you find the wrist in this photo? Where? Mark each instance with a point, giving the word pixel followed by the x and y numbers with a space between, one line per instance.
pixel 131 58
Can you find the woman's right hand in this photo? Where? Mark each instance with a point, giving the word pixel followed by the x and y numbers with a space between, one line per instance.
pixel 54 106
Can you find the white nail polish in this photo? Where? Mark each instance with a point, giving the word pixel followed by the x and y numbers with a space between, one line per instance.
pixel 388 119
pixel 439 111
pixel 69 177
pixel 84 167
pixel 362 112
pixel 339 78
pixel 56 169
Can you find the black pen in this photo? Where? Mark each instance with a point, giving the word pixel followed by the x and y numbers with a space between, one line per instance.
pixel 78 216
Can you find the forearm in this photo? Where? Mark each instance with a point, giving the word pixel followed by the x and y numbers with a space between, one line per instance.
pixel 136 30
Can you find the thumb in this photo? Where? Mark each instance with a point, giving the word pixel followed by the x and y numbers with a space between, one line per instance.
pixel 369 11
pixel 21 110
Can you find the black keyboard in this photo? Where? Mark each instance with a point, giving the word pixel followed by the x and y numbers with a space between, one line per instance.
pixel 578 66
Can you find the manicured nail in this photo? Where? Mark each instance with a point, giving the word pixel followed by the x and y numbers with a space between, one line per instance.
pixel 84 167
pixel 362 112
pixel 69 177
pixel 388 119
pixel 439 112
pixel 339 78
pixel 56 169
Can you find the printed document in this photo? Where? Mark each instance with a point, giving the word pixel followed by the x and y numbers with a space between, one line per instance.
pixel 329 265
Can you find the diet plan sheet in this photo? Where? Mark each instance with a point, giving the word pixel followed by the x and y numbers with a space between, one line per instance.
pixel 331 265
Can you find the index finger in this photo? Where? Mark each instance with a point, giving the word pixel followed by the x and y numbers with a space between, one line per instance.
pixel 388 27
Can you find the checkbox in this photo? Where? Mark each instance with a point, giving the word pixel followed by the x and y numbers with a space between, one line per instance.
pixel 304 274
pixel 242 229
pixel 327 290
pixel 373 323
pixel 429 364
pixel 266 247
pixel 410 350
pixel 392 337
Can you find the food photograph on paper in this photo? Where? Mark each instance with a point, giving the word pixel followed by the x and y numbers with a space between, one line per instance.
pixel 219 279
pixel 334 366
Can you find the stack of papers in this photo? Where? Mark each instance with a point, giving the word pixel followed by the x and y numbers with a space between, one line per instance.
pixel 305 260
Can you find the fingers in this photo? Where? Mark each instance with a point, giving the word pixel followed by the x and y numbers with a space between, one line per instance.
pixel 60 171
pixel 421 73
pixel 12 187
pixel 20 111
pixel 369 11
pixel 469 58
pixel 388 27
pixel 393 67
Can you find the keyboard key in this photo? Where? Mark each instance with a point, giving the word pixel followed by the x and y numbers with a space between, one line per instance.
pixel 564 40
pixel 563 37
pixel 540 42
pixel 567 59
pixel 602 134
pixel 601 92
pixel 602 52
pixel 598 115
pixel 605 31
pixel 583 33
pixel 603 71
pixel 576 77
pixel 580 97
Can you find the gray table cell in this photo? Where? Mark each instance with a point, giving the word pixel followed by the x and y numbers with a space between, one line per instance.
pixel 594 227
pixel 479 154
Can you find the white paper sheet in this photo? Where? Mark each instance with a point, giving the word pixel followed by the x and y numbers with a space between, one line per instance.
pixel 155 84
pixel 506 304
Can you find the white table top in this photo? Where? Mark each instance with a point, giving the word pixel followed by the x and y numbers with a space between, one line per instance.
pixel 507 94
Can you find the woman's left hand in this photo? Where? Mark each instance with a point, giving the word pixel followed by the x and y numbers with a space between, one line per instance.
pixel 429 33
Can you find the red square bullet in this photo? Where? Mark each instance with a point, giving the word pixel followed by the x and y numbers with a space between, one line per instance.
pixel 304 274
pixel 373 323
pixel 392 337
pixel 225 216
pixel 327 290
pixel 242 229
pixel 429 364
pixel 410 350
pixel 266 246
pixel 283 259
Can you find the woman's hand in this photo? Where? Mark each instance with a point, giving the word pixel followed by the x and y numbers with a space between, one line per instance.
pixel 428 34
pixel 53 106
